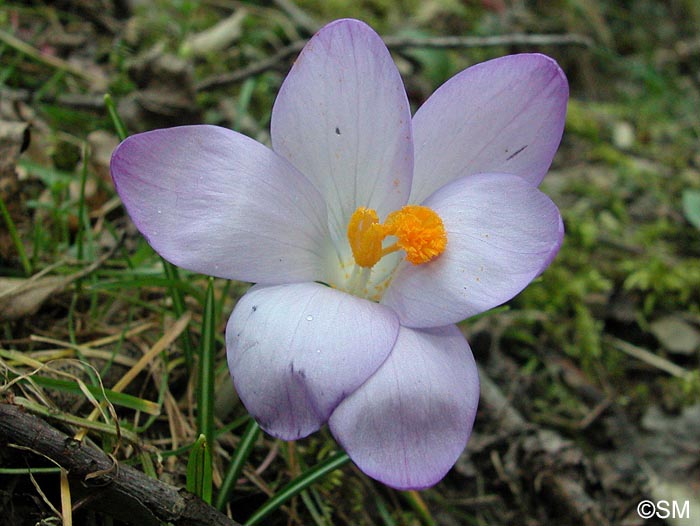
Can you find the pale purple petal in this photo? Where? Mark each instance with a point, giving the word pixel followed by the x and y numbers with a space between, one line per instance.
pixel 501 233
pixel 214 201
pixel 409 423
pixel 501 116
pixel 295 351
pixel 342 118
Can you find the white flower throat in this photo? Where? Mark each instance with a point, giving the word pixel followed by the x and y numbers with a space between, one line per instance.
pixel 418 231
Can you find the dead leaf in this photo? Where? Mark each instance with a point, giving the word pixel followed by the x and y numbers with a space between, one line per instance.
pixel 102 144
pixel 166 94
pixel 670 443
pixel 216 38
pixel 23 297
pixel 14 139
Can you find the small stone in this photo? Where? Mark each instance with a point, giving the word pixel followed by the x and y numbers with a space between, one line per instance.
pixel 623 135
pixel 676 335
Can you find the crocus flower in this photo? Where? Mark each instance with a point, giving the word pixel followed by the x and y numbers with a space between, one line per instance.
pixel 369 234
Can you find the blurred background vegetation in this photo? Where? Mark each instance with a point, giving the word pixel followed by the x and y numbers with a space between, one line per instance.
pixel 599 356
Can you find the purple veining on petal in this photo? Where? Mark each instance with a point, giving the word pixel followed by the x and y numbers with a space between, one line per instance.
pixel 504 116
pixel 502 232
pixel 295 351
pixel 342 118
pixel 408 424
pixel 215 201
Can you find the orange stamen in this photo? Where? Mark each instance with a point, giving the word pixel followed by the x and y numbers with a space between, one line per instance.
pixel 365 235
pixel 418 229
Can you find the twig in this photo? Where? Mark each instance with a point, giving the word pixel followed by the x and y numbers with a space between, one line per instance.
pixel 226 79
pixel 650 358
pixel 448 42
pixel 508 418
pixel 556 466
pixel 95 13
pixel 25 284
pixel 49 60
pixel 299 17
pixel 113 488
pixel 514 39
pixel 80 101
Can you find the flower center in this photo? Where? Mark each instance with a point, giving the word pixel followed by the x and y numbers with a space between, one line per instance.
pixel 418 230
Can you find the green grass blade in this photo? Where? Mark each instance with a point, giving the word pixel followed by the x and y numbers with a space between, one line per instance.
pixel 251 433
pixel 147 465
pixel 116 120
pixel 298 485
pixel 199 470
pixel 15 238
pixel 316 515
pixel 83 219
pixel 691 206
pixel 416 502
pixel 67 418
pixel 106 395
pixel 232 426
pixel 383 511
pixel 138 282
pixel 178 298
pixel 51 177
pixel 207 352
